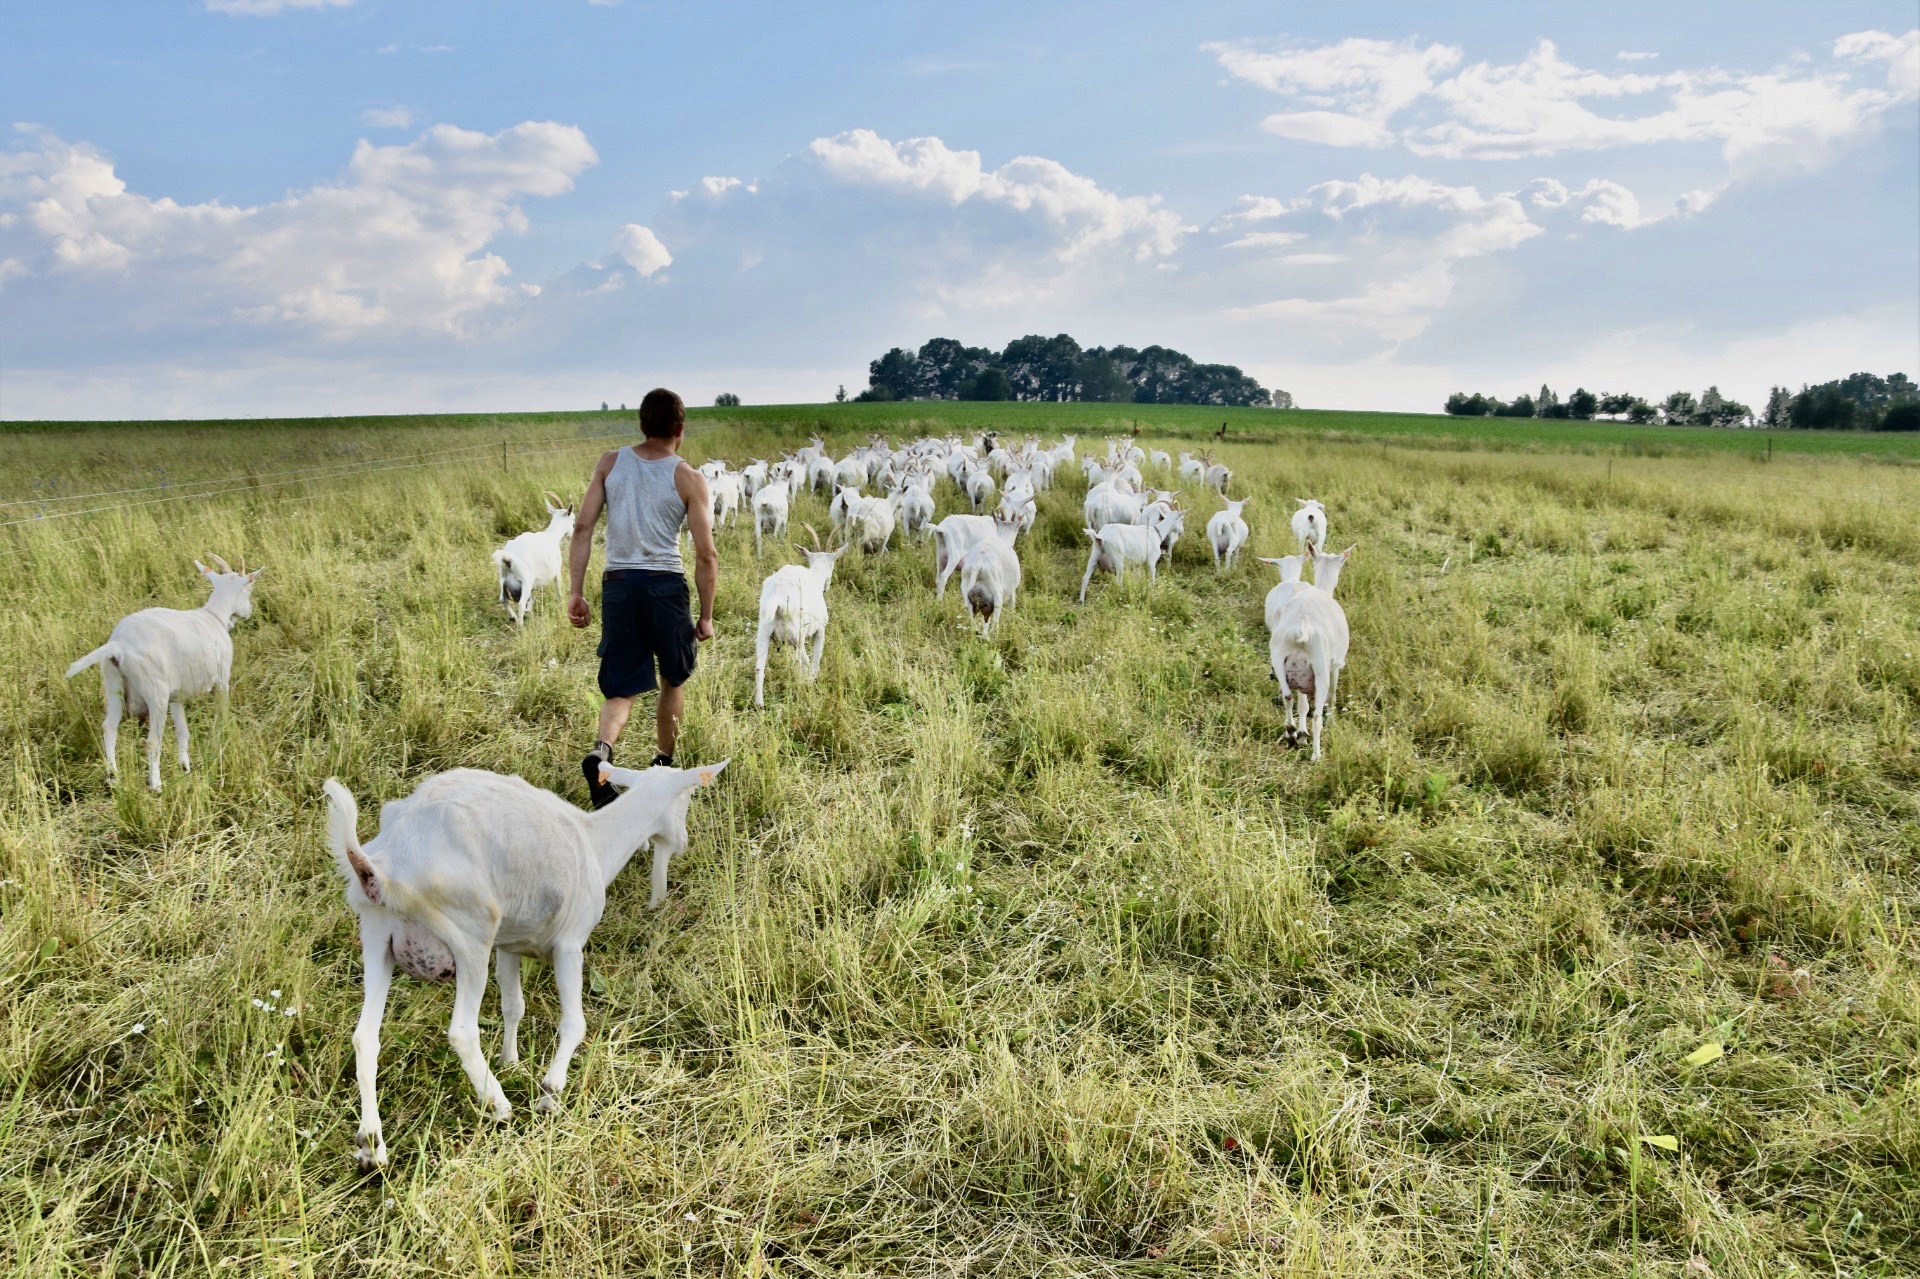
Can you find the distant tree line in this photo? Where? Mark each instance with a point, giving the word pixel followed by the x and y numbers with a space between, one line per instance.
pixel 1861 402
pixel 1059 369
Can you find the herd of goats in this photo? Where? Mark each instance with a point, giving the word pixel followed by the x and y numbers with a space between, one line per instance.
pixel 475 864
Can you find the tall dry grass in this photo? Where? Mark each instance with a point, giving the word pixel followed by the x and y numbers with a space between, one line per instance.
pixel 1036 955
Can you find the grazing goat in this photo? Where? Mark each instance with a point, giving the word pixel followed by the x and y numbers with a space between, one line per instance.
pixel 1118 545
pixel 1308 651
pixel 1227 533
pixel 1309 524
pixel 952 538
pixel 990 575
pixel 1192 469
pixel 531 560
pixel 793 610
pixel 158 656
pixel 475 863
pixel 770 506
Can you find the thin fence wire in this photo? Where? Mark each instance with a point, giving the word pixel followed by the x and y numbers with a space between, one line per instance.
pixel 253 484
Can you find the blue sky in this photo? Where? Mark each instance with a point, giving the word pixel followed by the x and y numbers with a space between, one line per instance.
pixel 236 207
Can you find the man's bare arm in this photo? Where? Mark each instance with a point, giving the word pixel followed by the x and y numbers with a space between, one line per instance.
pixel 580 551
pixel 692 487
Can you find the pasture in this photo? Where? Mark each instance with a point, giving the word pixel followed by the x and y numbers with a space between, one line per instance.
pixel 1589 948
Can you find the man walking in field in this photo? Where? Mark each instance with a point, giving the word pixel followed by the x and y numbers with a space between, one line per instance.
pixel 647 492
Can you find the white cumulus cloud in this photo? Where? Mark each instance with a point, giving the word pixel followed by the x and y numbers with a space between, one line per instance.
pixel 270 8
pixel 641 249
pixel 1373 94
pixel 393 117
pixel 399 244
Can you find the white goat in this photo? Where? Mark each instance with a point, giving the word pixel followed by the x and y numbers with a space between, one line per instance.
pixel 1109 503
pixel 474 863
pixel 840 509
pixel 870 522
pixel 1288 586
pixel 793 610
pixel 726 491
pixel 1308 651
pixel 1165 518
pixel 990 575
pixel 1227 533
pixel 1218 477
pixel 1309 524
pixel 953 537
pixel 158 656
pixel 914 504
pixel 532 559
pixel 978 486
pixel 1192 469
pixel 770 507
pixel 1118 545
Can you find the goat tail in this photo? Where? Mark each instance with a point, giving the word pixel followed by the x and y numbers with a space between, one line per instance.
pixel 1301 634
pixel 104 653
pixel 343 820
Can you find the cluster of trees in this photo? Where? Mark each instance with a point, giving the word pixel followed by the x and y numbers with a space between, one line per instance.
pixel 1059 369
pixel 1857 402
pixel 1680 408
pixel 726 400
pixel 1861 402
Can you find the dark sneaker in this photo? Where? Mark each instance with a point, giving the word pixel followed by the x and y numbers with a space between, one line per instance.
pixel 662 761
pixel 600 793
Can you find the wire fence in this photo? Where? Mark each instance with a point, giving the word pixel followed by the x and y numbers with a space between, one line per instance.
pixel 226 486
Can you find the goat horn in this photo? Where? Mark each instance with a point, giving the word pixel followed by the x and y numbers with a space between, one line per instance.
pixel 243 562
pixel 553 497
pixel 224 567
pixel 815 532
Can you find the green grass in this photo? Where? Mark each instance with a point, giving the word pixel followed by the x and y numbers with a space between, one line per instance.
pixel 1036 955
pixel 1166 422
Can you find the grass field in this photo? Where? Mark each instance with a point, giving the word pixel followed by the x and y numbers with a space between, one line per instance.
pixel 1030 956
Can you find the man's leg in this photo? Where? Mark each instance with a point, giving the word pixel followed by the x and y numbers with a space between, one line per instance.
pixel 673 703
pixel 613 718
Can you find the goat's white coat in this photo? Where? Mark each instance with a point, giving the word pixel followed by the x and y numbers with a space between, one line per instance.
pixel 793 610
pixel 474 863
pixel 990 575
pixel 952 538
pixel 156 657
pixel 1226 534
pixel 531 560
pixel 1309 523
pixel 1115 546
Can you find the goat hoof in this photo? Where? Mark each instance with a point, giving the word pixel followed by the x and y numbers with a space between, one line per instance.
pixel 371 1155
pixel 548 1103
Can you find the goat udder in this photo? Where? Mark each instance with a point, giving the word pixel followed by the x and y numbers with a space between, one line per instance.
pixel 1299 669
pixel 421 954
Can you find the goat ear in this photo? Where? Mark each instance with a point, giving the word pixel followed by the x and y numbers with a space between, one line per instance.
pixel 257 572
pixel 204 570
pixel 712 771
pixel 1348 553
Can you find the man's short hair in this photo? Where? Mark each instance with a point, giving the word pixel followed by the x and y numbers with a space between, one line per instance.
pixel 662 415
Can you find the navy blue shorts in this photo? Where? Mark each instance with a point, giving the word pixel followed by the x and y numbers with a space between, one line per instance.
pixel 644 619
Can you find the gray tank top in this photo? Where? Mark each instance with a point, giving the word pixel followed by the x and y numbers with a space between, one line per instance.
pixel 644 513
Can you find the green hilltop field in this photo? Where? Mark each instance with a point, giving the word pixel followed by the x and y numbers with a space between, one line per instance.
pixel 1588 949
